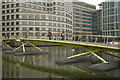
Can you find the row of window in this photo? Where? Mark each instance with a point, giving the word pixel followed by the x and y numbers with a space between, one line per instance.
pixel 88 30
pixel 83 33
pixel 76 25
pixel 110 28
pixel 10 11
pixel 77 29
pixel 112 33
pixel 35 29
pixel 10 5
pixel 41 8
pixel 30 5
pixel 10 23
pixel 25 34
pixel 31 16
pixel 87 22
pixel 110 4
pixel 88 12
pixel 87 26
pixel 32 11
pixel 47 4
pixel 78 17
pixel 12 29
pixel 110 19
pixel 7 17
pixel 38 34
pixel 87 15
pixel 36 24
pixel 83 11
pixel 112 11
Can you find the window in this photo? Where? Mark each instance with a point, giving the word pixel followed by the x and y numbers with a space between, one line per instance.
pixel 17 23
pixel 34 7
pixel 50 24
pixel 12 16
pixel 31 28
pixel 12 23
pixel 50 17
pixel 17 10
pixel 54 3
pixel 3 6
pixel 31 23
pixel 37 28
pixel 37 23
pixel 12 5
pixel 17 5
pixel 3 34
pixel 54 29
pixel 54 24
pixel 3 12
pixel 8 23
pixel 37 17
pixel 54 8
pixel 43 29
pixel 54 18
pixel 3 24
pixel 62 4
pixel 3 29
pixel 8 6
pixel 12 10
pixel 43 23
pixel 43 16
pixel 12 34
pixel 12 29
pixel 58 19
pixel 17 28
pixel 3 17
pixel 7 29
pixel 7 11
pixel 17 16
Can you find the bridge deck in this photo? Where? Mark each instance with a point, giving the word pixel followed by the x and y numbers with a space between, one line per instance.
pixel 100 46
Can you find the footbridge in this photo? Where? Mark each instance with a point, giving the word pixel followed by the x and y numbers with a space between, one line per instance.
pixel 92 45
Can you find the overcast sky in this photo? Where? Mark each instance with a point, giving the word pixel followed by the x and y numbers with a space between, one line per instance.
pixel 94 2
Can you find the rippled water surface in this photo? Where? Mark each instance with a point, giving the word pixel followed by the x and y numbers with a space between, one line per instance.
pixel 48 60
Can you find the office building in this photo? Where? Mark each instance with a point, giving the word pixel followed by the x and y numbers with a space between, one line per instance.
pixel 82 19
pixel 94 23
pixel 111 18
pixel 34 19
pixel 24 18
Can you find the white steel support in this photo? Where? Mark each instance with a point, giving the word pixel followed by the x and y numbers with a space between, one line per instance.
pixel 20 46
pixel 23 51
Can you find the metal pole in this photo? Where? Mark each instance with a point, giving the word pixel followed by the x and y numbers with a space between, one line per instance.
pixel 104 39
pixel 20 46
pixel 96 39
pixel 81 54
pixel 78 69
pixel 107 39
pixel 36 47
pixel 23 51
pixel 6 44
pixel 97 56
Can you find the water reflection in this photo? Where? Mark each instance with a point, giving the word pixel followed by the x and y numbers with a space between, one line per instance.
pixel 59 52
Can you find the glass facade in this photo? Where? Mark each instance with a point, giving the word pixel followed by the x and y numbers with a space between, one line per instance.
pixel 111 17
pixel 82 19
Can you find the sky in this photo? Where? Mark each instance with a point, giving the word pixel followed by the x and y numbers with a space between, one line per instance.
pixel 94 2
